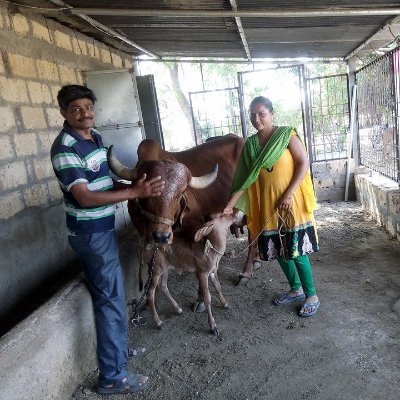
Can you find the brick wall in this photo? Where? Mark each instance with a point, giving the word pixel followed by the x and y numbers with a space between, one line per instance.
pixel 37 57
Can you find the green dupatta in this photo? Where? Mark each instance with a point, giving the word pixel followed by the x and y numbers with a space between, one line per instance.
pixel 252 160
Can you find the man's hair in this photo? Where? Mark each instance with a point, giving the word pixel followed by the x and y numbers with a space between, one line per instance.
pixel 70 93
pixel 264 101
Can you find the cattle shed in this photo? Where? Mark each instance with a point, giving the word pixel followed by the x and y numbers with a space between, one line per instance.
pixel 48 43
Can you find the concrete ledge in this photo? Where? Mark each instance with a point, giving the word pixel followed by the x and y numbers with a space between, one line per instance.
pixel 380 197
pixel 50 352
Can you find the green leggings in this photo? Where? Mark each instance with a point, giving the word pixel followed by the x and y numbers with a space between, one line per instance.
pixel 299 274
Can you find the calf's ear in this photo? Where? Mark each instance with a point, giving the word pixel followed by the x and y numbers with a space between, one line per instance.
pixel 204 231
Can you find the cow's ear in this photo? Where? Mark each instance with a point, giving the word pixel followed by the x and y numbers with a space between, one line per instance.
pixel 184 209
pixel 204 231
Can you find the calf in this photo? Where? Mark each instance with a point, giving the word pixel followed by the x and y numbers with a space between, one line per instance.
pixel 200 256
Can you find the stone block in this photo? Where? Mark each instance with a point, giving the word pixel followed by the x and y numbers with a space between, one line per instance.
pixel 47 70
pixel 128 64
pixel 67 74
pixel 36 195
pixel 7 151
pixel 40 31
pixel 45 141
pixel 25 144
pixel 39 93
pixel 43 168
pixel 63 40
pixel 79 46
pixel 33 117
pixel 10 204
pixel 393 225
pixel 91 49
pixel 13 175
pixel 13 90
pixel 394 202
pixel 20 24
pixel 116 60
pixel 325 183
pixel 54 118
pixel 7 120
pixel 54 91
pixel 105 55
pixel 1 66
pixel 54 191
pixel 22 66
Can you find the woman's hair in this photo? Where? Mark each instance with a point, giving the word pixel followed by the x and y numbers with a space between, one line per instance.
pixel 264 101
pixel 70 93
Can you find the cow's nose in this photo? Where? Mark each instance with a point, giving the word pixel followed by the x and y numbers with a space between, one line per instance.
pixel 161 237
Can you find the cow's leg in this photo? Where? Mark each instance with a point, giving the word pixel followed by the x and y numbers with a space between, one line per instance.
pixel 167 293
pixel 217 285
pixel 203 282
pixel 151 298
pixel 252 256
pixel 199 306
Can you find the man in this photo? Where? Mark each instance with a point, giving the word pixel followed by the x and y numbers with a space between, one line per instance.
pixel 80 164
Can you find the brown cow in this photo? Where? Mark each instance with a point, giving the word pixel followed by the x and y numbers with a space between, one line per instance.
pixel 185 202
pixel 191 191
pixel 200 256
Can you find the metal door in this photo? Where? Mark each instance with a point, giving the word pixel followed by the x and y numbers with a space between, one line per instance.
pixel 149 106
pixel 118 115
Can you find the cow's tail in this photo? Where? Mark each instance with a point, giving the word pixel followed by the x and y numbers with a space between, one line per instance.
pixel 141 275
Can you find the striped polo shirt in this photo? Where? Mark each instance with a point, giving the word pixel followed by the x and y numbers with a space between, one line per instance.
pixel 77 160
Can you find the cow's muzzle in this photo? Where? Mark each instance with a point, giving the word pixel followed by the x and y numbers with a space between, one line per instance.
pixel 161 237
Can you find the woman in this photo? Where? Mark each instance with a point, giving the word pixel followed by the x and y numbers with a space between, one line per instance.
pixel 273 187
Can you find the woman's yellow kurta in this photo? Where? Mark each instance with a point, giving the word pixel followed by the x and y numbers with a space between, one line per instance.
pixel 284 234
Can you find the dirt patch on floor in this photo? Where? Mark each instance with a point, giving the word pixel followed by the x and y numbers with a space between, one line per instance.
pixel 349 350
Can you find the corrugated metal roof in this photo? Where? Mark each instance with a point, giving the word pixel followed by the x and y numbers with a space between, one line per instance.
pixel 209 32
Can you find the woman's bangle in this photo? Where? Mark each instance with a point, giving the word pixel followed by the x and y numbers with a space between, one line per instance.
pixel 230 205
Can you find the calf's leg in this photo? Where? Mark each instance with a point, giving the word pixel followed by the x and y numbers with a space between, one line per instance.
pixel 151 298
pixel 203 283
pixel 164 288
pixel 217 285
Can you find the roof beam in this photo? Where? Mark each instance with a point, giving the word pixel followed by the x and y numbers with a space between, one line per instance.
pixel 102 28
pixel 241 31
pixel 277 13
pixel 375 36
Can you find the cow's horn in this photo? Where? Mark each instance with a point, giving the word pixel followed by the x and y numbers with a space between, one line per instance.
pixel 119 169
pixel 201 182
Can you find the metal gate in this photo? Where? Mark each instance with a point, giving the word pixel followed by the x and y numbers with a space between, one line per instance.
pixel 215 113
pixel 378 113
pixel 329 111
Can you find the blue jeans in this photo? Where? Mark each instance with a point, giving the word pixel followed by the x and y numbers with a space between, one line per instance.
pixel 99 255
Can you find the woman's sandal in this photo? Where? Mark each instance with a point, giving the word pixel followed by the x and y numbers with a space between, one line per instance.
pixel 286 298
pixel 313 309
pixel 136 351
pixel 129 384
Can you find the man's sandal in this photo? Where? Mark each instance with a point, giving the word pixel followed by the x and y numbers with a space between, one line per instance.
pixel 136 351
pixel 130 384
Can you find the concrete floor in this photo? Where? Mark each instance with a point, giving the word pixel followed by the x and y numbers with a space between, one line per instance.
pixel 349 350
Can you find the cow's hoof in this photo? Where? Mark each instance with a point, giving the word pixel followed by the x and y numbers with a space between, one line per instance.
pixel 179 311
pixel 226 305
pixel 199 306
pixel 214 332
pixel 160 327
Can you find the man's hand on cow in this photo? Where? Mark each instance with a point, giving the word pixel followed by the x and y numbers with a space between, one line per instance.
pixel 147 188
